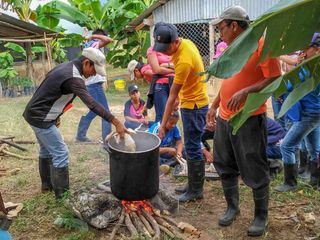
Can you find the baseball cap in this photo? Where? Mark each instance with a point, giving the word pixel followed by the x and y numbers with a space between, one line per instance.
pixel 133 88
pixel 315 41
pixel 233 13
pixel 164 34
pixel 131 66
pixel 98 58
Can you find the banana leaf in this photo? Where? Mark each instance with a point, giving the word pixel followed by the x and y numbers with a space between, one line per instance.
pixel 279 87
pixel 288 26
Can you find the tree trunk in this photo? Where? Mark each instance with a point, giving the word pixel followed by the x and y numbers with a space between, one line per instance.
pixel 1 91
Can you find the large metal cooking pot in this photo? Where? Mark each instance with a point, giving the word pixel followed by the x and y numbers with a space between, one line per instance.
pixel 135 176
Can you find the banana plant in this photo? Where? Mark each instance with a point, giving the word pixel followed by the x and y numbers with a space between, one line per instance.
pixel 114 15
pixel 22 8
pixel 286 28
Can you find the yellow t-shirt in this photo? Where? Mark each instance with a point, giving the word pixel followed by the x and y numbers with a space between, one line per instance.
pixel 187 65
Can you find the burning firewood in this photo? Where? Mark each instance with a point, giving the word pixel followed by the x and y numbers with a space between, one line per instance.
pixel 139 225
pixel 146 223
pixel 166 231
pixel 171 228
pixel 153 223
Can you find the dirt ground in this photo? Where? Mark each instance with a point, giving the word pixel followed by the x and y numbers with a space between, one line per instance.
pixel 89 166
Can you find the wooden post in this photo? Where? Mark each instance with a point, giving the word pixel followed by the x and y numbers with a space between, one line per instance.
pixel 29 65
pixel 49 56
pixel 211 42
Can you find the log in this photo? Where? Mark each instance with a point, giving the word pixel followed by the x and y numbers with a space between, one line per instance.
pixel 153 223
pixel 16 155
pixel 25 142
pixel 166 231
pixel 139 225
pixel 146 224
pixel 119 223
pixel 165 224
pixel 170 220
pixel 133 231
pixel 13 145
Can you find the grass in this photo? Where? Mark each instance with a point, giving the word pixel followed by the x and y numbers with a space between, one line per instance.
pixel 89 166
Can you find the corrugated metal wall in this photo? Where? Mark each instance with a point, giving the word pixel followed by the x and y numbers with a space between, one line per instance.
pixel 180 11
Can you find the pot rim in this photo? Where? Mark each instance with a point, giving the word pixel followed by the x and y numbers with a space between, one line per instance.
pixel 149 150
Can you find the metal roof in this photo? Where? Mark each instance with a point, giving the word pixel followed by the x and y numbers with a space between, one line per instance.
pixel 182 11
pixel 10 27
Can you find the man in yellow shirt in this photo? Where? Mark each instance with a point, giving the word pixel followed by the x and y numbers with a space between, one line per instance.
pixel 190 88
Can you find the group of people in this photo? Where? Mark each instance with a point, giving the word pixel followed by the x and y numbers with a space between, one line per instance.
pixel 173 71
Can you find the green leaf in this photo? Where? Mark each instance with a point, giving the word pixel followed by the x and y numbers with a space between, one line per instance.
pixel 38 49
pixel 280 23
pixel 15 47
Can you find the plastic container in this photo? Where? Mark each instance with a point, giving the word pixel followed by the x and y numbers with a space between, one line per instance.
pixel 119 84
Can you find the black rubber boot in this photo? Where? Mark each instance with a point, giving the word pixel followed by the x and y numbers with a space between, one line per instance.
pixel 303 161
pixel 60 180
pixel 44 171
pixel 290 178
pixel 231 194
pixel 181 189
pixel 260 222
pixel 195 181
pixel 315 175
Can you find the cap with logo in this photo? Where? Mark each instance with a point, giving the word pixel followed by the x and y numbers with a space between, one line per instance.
pixel 164 34
pixel 232 13
pixel 133 88
pixel 131 66
pixel 98 58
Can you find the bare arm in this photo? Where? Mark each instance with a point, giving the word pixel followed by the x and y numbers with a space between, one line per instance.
pixel 179 147
pixel 131 119
pixel 289 60
pixel 211 115
pixel 103 40
pixel 156 68
pixel 240 97
pixel 174 91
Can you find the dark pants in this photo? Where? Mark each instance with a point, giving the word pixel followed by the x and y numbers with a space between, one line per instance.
pixel 194 121
pixel 243 153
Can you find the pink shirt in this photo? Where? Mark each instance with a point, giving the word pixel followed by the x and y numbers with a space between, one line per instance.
pixel 162 58
pixel 143 70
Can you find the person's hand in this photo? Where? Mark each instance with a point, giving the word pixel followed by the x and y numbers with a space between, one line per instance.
pixel 237 100
pixel 120 128
pixel 179 154
pixel 161 132
pixel 207 155
pixel 211 118
pixel 171 151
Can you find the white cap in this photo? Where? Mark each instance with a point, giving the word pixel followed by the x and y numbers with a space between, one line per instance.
pixel 131 66
pixel 98 58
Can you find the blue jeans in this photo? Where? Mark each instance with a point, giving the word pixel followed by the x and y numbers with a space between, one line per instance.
pixel 309 129
pixel 194 121
pixel 52 146
pixel 97 92
pixel 273 151
pixel 161 94
pixel 276 106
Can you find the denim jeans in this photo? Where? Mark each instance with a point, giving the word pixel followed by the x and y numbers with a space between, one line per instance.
pixel 194 121
pixel 273 151
pixel 161 94
pixel 97 92
pixel 309 129
pixel 52 146
pixel 276 106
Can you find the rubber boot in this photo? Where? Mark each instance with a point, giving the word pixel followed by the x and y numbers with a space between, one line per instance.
pixel 303 161
pixel 304 169
pixel 44 171
pixel 82 130
pixel 260 221
pixel 290 178
pixel 181 189
pixel 60 180
pixel 315 175
pixel 195 181
pixel 231 194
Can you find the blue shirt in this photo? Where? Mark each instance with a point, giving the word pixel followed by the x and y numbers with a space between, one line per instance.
pixel 170 138
pixel 311 102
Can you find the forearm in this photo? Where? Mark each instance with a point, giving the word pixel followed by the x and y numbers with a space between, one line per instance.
pixel 216 101
pixel 259 86
pixel 103 40
pixel 179 146
pixel 168 110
